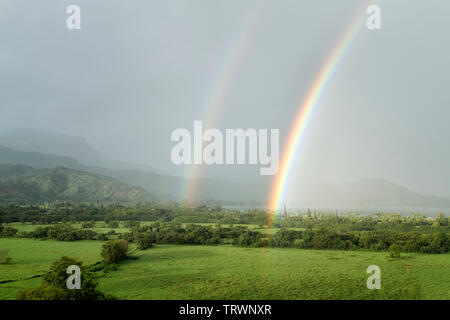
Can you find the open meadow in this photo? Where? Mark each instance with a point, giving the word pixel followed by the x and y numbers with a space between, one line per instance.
pixel 227 272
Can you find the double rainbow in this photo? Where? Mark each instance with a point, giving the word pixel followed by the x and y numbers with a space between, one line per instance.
pixel 227 73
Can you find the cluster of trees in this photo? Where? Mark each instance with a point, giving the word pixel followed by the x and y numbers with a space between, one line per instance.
pixel 322 238
pixel 415 233
pixel 251 239
pixel 175 212
pixel 356 222
pixel 88 224
pixel 112 224
pixel 131 224
pixel 171 211
pixel 371 240
pixel 63 232
pixel 7 231
pixel 173 233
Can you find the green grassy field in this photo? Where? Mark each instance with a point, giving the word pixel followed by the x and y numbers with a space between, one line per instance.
pixel 225 272
pixel 32 257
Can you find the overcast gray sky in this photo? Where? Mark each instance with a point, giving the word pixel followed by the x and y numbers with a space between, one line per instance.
pixel 137 70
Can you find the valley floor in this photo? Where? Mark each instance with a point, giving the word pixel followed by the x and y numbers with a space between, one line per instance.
pixel 226 272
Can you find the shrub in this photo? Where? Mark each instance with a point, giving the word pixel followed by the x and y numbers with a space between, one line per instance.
pixel 4 259
pixel 114 250
pixel 8 231
pixel 395 250
pixel 44 292
pixel 249 239
pixel 144 240
pixel 86 235
pixel 62 232
pixel 132 224
pixel 90 224
pixel 113 224
pixel 40 232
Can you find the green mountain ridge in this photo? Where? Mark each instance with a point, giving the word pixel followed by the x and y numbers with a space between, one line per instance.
pixel 24 184
pixel 371 193
pixel 163 186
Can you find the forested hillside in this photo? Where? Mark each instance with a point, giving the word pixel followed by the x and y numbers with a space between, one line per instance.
pixel 24 184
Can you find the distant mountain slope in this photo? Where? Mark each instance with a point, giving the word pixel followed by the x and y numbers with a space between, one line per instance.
pixel 51 143
pixel 37 159
pixel 58 144
pixel 25 184
pixel 14 170
pixel 164 186
pixel 367 193
pixel 208 190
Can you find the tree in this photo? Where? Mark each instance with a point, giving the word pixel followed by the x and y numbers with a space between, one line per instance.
pixel 409 247
pixel 441 219
pixel 114 250
pixel 132 224
pixel 8 231
pixel 57 275
pixel 436 224
pixel 113 224
pixel 90 224
pixel 395 250
pixel 4 259
pixel 144 240
pixel 54 284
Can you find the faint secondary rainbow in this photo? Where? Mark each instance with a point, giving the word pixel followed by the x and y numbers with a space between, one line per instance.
pixel 213 106
pixel 302 119
pixel 217 95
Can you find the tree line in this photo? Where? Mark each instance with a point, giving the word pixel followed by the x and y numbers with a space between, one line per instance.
pixel 370 240
pixel 182 213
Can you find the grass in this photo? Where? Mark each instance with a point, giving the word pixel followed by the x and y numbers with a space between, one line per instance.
pixel 225 272
pixel 194 272
pixel 33 257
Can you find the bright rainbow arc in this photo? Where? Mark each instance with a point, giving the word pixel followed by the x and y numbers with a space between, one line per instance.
pixel 308 105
